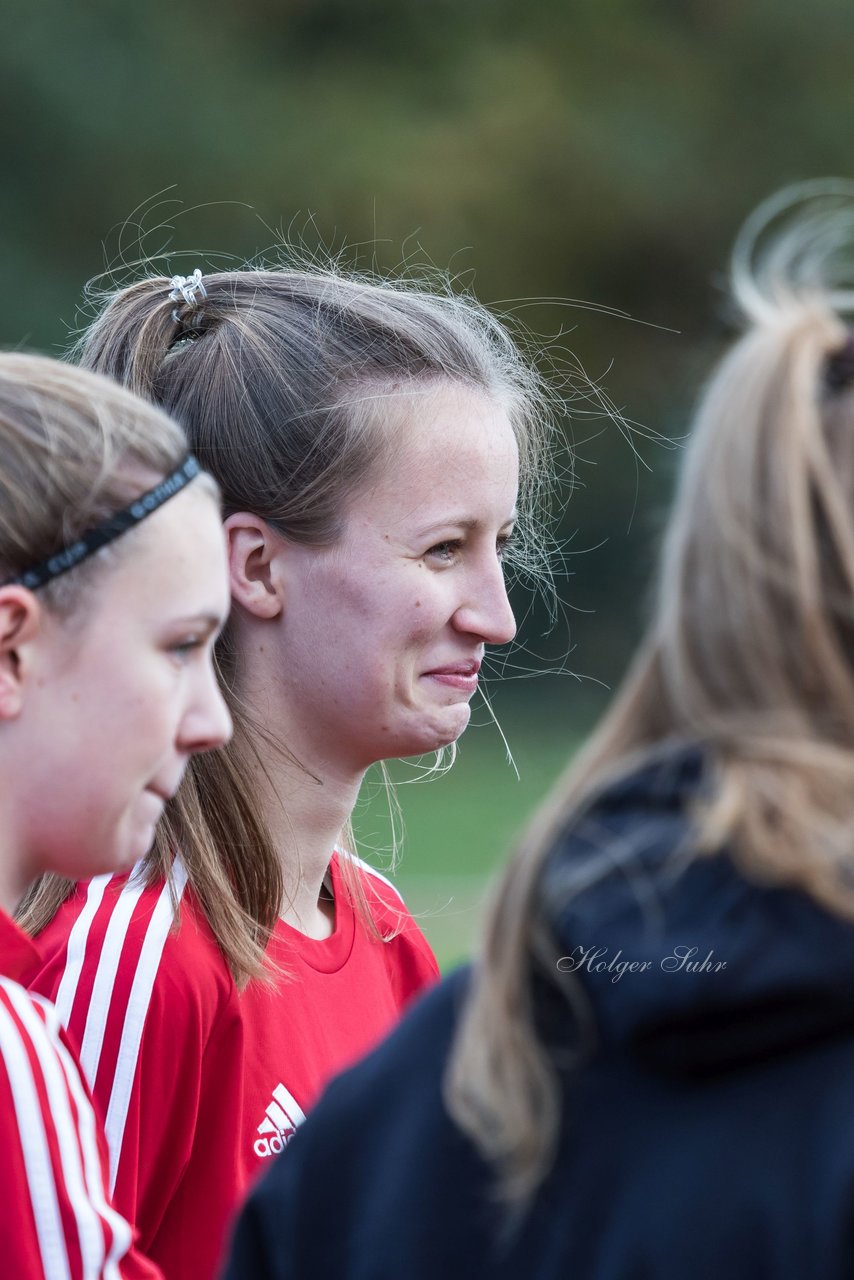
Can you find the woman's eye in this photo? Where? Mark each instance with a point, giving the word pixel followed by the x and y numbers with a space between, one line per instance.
pixel 505 544
pixel 445 550
pixel 184 648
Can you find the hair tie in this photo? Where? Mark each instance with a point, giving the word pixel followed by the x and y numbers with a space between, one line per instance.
pixel 185 288
pixel 839 370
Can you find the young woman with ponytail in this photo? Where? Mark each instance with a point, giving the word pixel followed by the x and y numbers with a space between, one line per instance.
pixel 113 586
pixel 376 446
pixel 648 1070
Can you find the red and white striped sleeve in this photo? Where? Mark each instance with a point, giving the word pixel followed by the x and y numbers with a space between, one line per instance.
pixel 56 1220
pixel 105 988
pixel 154 1015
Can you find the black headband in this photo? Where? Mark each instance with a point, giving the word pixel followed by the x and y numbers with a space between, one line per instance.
pixel 86 545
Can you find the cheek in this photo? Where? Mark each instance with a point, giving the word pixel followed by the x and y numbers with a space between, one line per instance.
pixel 408 637
pixel 370 629
pixel 366 592
pixel 381 665
pixel 426 618
pixel 153 704
pixel 77 821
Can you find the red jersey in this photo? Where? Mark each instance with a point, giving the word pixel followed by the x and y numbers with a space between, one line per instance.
pixel 56 1219
pixel 200 1084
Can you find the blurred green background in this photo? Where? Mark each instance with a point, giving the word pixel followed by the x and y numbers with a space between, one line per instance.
pixel 603 152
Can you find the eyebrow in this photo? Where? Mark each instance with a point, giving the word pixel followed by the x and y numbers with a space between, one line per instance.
pixel 468 523
pixel 206 621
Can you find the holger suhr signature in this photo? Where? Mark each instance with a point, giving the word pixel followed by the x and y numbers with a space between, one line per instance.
pixel 679 960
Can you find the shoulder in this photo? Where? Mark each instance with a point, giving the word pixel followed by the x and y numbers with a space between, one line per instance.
pixel 384 900
pixel 26 1026
pixel 129 923
pixel 123 945
pixel 382 893
pixel 410 954
pixel 42 1082
pixel 36 1062
pixel 54 1159
pixel 140 986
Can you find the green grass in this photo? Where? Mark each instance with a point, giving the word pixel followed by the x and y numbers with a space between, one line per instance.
pixel 459 827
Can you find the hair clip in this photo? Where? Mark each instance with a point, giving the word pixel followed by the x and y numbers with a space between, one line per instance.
pixel 185 288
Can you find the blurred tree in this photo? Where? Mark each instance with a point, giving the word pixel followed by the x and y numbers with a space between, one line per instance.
pixel 588 151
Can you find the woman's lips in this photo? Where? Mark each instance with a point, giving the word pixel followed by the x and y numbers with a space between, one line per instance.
pixel 165 791
pixel 456 675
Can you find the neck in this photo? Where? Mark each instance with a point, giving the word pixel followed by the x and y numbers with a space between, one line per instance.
pixel 305 791
pixel 12 890
pixel 305 812
pixel 14 879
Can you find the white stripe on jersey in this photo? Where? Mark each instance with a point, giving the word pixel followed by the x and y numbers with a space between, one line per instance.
pixel 366 866
pixel 137 1008
pixel 105 978
pixel 76 949
pixel 121 1231
pixel 90 1229
pixel 37 1161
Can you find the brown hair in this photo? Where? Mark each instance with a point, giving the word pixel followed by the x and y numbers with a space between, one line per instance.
pixel 750 652
pixel 278 377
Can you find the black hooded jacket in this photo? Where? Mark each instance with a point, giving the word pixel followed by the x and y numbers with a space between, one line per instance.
pixel 709 1134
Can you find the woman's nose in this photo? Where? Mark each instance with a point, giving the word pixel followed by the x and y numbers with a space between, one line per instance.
pixel 207 724
pixel 486 611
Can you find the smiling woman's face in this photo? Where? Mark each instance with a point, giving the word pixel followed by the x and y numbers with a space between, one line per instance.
pixel 384 631
pixel 116 700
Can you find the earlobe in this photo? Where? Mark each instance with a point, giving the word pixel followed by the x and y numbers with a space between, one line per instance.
pixel 253 547
pixel 20 622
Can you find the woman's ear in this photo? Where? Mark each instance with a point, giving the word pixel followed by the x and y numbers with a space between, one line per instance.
pixel 253 547
pixel 20 623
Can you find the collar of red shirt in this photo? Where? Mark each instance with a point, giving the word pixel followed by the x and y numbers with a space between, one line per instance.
pixel 19 955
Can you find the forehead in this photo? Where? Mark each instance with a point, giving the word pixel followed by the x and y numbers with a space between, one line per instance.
pixel 449 445
pixel 175 560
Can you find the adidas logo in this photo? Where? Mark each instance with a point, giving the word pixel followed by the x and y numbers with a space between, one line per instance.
pixel 281 1118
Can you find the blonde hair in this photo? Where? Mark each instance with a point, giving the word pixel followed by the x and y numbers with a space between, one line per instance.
pixel 750 652
pixel 74 449
pixel 279 378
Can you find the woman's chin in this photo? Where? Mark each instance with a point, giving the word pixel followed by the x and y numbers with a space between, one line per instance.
pixel 133 849
pixel 442 732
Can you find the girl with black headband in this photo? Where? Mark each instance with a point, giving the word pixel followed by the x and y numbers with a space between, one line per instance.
pixel 649 1071
pixel 381 452
pixel 113 587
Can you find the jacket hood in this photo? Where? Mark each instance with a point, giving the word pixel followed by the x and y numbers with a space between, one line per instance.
pixel 688 965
